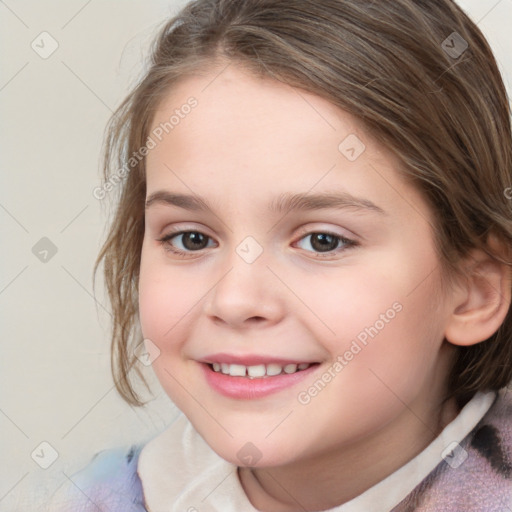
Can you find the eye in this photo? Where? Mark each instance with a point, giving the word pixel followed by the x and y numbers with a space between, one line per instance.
pixel 190 241
pixel 323 242
pixel 195 241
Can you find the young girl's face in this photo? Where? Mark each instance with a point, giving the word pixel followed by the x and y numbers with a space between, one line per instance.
pixel 343 278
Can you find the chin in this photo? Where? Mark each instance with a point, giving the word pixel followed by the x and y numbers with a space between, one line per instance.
pixel 260 454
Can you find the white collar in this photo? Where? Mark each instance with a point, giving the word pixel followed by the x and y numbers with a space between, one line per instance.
pixel 180 472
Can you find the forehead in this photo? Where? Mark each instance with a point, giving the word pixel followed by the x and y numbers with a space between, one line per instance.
pixel 252 135
pixel 257 110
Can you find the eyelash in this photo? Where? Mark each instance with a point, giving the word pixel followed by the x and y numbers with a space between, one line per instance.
pixel 165 242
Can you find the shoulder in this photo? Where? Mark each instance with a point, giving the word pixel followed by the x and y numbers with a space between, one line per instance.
pixel 491 439
pixel 480 475
pixel 108 482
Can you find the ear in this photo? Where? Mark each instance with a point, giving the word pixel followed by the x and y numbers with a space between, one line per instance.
pixel 481 302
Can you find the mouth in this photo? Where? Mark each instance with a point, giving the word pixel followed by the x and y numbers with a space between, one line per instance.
pixel 256 379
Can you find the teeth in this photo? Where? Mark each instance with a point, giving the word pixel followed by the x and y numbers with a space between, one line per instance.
pixel 260 370
pixel 290 368
pixel 273 369
pixel 256 371
pixel 237 370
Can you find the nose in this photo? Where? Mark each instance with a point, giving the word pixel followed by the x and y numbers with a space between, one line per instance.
pixel 246 295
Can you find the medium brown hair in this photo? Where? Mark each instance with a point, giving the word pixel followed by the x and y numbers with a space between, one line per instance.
pixel 391 64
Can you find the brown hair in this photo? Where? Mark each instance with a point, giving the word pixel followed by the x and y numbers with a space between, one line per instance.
pixel 399 68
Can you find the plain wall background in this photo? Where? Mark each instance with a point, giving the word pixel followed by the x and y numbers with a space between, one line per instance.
pixel 54 371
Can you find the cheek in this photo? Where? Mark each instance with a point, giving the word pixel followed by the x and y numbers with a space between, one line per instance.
pixel 384 312
pixel 152 301
pixel 397 349
pixel 163 299
pixel 351 302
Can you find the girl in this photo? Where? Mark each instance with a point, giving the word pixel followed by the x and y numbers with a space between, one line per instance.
pixel 312 249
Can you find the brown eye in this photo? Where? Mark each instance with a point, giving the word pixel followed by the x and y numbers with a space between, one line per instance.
pixel 320 242
pixel 324 242
pixel 188 242
pixel 193 240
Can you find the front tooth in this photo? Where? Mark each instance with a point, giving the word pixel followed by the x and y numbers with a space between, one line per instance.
pixel 290 368
pixel 273 369
pixel 237 370
pixel 256 371
pixel 225 368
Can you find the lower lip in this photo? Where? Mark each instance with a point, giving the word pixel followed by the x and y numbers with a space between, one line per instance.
pixel 246 388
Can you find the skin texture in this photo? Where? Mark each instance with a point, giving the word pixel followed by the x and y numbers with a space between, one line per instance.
pixel 247 141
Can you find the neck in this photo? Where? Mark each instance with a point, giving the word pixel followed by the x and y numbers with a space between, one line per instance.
pixel 332 479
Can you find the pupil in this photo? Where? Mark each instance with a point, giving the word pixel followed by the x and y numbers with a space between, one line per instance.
pixel 196 239
pixel 323 241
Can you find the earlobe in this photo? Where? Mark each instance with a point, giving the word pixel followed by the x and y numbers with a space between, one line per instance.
pixel 481 302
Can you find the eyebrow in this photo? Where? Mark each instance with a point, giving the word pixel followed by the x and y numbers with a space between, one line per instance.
pixel 282 203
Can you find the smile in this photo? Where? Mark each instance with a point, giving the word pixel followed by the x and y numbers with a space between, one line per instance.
pixel 254 381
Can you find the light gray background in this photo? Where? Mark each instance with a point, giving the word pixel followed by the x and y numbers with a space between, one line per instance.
pixel 54 368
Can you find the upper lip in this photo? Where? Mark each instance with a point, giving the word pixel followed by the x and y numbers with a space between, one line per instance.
pixel 250 360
